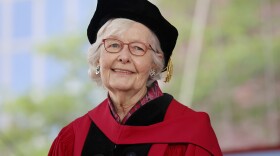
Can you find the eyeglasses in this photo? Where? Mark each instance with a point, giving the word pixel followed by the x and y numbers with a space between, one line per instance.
pixel 135 48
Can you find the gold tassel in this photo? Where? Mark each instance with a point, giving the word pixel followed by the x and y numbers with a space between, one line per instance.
pixel 169 69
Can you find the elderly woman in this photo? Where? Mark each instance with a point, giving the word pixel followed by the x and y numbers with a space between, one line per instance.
pixel 131 46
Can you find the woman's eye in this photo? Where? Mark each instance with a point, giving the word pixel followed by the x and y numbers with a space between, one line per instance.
pixel 114 45
pixel 138 48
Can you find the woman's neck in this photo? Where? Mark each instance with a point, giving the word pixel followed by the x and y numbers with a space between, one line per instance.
pixel 124 101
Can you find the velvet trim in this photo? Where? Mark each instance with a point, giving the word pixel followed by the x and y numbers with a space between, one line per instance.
pixel 152 112
pixel 181 125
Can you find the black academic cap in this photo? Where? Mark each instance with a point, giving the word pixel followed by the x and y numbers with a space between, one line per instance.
pixel 141 11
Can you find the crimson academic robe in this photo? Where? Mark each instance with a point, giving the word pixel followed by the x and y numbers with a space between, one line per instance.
pixel 162 127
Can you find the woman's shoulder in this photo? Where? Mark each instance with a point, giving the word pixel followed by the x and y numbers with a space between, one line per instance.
pixel 65 140
pixel 177 109
pixel 200 133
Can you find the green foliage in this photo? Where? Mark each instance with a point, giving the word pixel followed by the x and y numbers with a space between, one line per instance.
pixel 37 117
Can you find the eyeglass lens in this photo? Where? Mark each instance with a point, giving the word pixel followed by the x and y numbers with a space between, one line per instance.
pixel 114 46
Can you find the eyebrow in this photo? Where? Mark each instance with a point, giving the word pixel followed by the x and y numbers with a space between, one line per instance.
pixel 113 36
pixel 133 40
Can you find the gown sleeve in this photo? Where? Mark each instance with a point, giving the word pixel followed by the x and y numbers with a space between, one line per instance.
pixel 194 150
pixel 63 144
pixel 185 150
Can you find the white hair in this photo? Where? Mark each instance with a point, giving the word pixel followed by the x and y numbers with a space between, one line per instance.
pixel 116 27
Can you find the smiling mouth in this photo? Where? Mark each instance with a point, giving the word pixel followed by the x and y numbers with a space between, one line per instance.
pixel 122 71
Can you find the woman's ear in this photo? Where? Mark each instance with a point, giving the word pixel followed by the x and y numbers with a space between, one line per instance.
pixel 97 62
pixel 160 55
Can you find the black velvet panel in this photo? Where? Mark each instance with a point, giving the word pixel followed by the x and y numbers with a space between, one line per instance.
pixel 151 113
pixel 97 144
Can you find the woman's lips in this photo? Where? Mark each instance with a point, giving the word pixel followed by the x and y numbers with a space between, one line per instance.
pixel 123 71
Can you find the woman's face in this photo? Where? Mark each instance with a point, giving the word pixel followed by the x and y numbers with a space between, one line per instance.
pixel 124 71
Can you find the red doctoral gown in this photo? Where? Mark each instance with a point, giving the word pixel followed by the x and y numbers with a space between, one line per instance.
pixel 183 132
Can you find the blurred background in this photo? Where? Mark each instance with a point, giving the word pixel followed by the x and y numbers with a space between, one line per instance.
pixel 226 63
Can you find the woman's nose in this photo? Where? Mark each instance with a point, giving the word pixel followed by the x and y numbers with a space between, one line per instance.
pixel 124 55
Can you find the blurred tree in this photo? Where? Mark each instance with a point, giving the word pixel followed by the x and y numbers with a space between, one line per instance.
pixel 35 119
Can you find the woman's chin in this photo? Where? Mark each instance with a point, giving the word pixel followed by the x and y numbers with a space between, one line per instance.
pixel 123 85
pixel 124 82
pixel 120 88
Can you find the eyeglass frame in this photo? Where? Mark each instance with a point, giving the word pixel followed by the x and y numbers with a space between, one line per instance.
pixel 149 47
